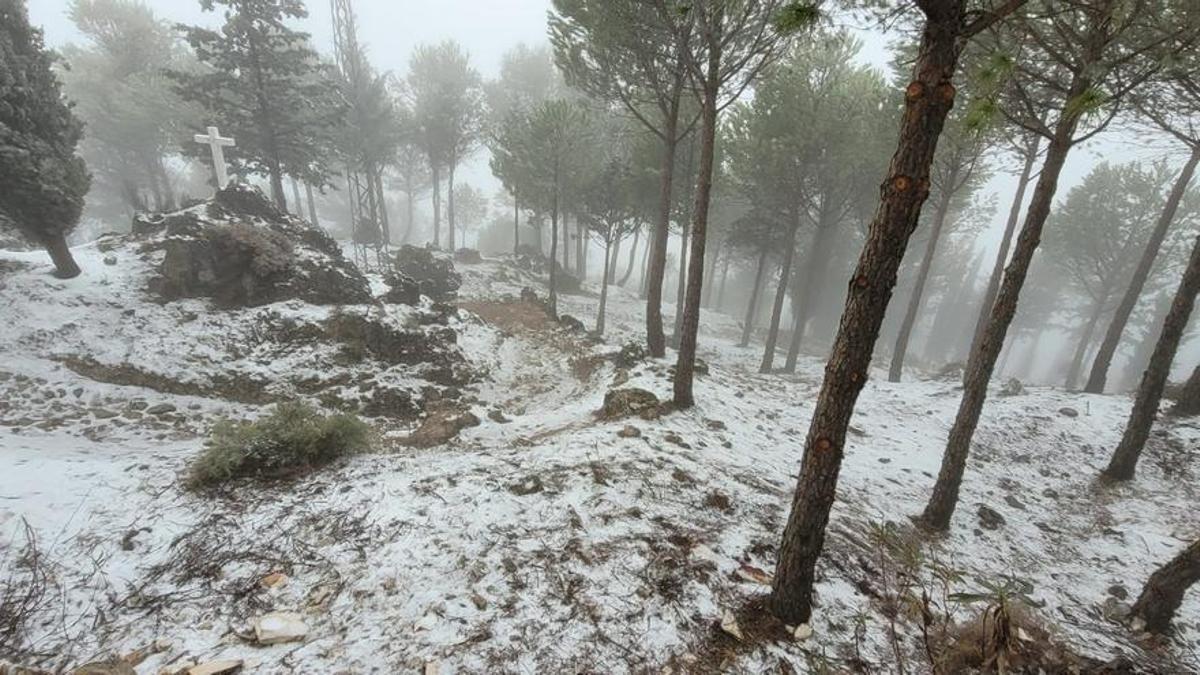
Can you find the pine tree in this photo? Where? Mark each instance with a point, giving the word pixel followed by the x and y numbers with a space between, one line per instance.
pixel 1163 593
pixel 42 179
pixel 267 87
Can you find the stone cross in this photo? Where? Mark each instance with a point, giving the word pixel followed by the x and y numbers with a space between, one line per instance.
pixel 214 141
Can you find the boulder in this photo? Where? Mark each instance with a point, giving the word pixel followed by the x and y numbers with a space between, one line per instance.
pixel 571 323
pixel 468 256
pixel 241 251
pixel 433 271
pixel 402 289
pixel 279 627
pixel 989 518
pixel 631 402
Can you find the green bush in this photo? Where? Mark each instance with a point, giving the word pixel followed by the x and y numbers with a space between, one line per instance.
pixel 294 437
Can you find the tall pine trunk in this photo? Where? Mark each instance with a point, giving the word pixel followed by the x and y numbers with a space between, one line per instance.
pixel 1154 380
pixel 918 292
pixel 436 175
pixel 681 283
pixel 1163 593
pixel 816 267
pixel 785 276
pixel 1112 337
pixel 1082 345
pixel 656 339
pixel 384 223
pixel 611 266
pixel 1188 401
pixel 450 205
pixel 312 205
pixel 724 278
pixel 928 100
pixel 296 203
pixel 983 360
pixel 604 287
pixel 685 365
pixel 637 235
pixel 516 225
pixel 1010 228
pixel 553 293
pixel 752 306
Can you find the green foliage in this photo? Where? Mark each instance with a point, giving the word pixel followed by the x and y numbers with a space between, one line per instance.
pixel 42 180
pixel 293 437
pixel 134 117
pixel 797 16
pixel 446 102
pixel 265 85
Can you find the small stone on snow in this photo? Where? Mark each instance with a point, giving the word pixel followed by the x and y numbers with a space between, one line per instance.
pixel 730 625
pixel 277 627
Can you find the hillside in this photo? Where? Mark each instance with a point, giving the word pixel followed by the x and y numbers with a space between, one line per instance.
pixel 542 539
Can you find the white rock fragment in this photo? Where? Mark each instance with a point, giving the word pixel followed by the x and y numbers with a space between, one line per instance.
pixel 754 574
pixel 216 667
pixel 279 627
pixel 730 625
pixel 803 632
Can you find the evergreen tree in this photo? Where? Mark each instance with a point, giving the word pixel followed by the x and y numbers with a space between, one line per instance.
pixel 267 87
pixel 42 179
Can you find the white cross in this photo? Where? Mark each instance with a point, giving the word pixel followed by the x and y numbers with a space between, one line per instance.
pixel 214 141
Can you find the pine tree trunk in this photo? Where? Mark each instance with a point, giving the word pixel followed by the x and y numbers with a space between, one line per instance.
pixel 1163 593
pixel 296 203
pixel 1010 228
pixel 516 225
pixel 983 360
pixel 711 273
pixel 644 283
pixel 450 206
pixel 64 263
pixel 553 293
pixel 748 326
pixel 1154 380
pixel 1112 337
pixel 785 275
pixel 724 278
pixel 929 99
pixel 437 204
pixel 918 292
pixel 611 267
pixel 685 365
pixel 816 267
pixel 1082 345
pixel 312 205
pixel 1188 402
pixel 385 223
pixel 637 235
pixel 656 339
pixel 604 287
pixel 581 247
pixel 681 284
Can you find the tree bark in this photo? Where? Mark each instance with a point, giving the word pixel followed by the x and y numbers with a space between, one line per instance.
pixel 816 268
pixel 65 266
pixel 748 327
pixel 385 224
pixel 1163 593
pixel 982 361
pixel 450 205
pixel 553 293
pixel 1081 347
pixel 918 292
pixel 685 365
pixel 724 278
pixel 604 288
pixel 1145 406
pixel 1112 337
pixel 1010 228
pixel 928 101
pixel 785 275
pixel 1188 402
pixel 656 339
pixel 637 235
pixel 610 268
pixel 312 205
pixel 296 203
pixel 516 225
pixel 681 284
pixel 436 175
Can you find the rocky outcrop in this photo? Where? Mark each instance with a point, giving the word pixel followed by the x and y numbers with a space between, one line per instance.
pixel 432 271
pixel 241 251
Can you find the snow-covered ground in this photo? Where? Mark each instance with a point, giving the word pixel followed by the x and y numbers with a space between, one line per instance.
pixel 541 540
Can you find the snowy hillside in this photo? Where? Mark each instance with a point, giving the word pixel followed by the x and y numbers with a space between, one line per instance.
pixel 543 539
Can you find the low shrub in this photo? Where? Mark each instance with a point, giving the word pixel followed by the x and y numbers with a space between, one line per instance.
pixel 292 438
